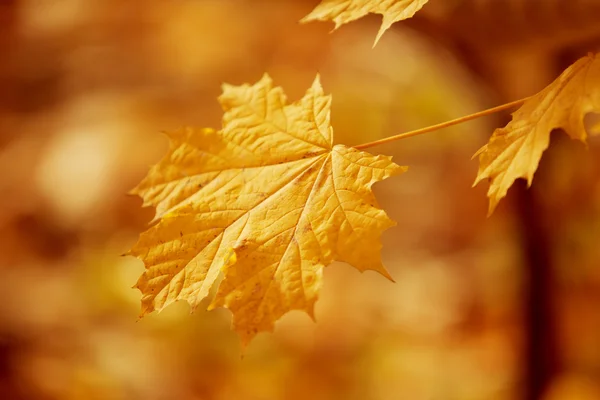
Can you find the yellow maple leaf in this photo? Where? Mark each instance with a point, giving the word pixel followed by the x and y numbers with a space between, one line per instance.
pixel 265 203
pixel 515 151
pixel 344 11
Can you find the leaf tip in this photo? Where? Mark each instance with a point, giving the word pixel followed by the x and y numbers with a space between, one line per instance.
pixel 225 87
pixel 307 18
pixel 310 310
pixel 492 206
pixel 481 150
pixel 383 271
pixel 142 314
pixel 266 78
pixel 316 85
pixel 193 307
pixel 246 336
pixel 400 169
pixel 378 37
pixel 529 180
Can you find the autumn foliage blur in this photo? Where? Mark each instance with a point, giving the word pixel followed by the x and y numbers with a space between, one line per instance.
pixel 86 87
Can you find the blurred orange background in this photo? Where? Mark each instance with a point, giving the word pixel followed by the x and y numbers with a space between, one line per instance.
pixel 506 307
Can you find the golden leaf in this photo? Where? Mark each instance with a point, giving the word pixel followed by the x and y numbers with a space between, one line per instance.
pixel 344 11
pixel 267 202
pixel 515 151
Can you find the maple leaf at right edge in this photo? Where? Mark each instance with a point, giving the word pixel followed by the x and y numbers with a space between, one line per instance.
pixel 515 151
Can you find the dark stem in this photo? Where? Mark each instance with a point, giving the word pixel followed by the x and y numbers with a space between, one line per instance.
pixel 540 354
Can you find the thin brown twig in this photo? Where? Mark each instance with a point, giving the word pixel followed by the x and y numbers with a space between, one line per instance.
pixel 442 125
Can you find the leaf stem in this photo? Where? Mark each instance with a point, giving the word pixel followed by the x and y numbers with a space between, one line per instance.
pixel 442 125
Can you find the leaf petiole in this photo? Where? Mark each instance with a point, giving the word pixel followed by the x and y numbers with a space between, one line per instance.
pixel 446 124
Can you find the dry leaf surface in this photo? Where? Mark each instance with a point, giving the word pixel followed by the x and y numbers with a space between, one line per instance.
pixel 515 151
pixel 263 204
pixel 343 11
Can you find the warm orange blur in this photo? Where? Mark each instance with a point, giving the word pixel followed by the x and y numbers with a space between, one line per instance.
pixel 86 87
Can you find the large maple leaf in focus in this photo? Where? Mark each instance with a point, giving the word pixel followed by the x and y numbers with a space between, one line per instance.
pixel 259 208
pixel 343 11
pixel 515 151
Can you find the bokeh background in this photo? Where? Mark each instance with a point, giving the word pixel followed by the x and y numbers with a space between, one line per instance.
pixel 498 308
